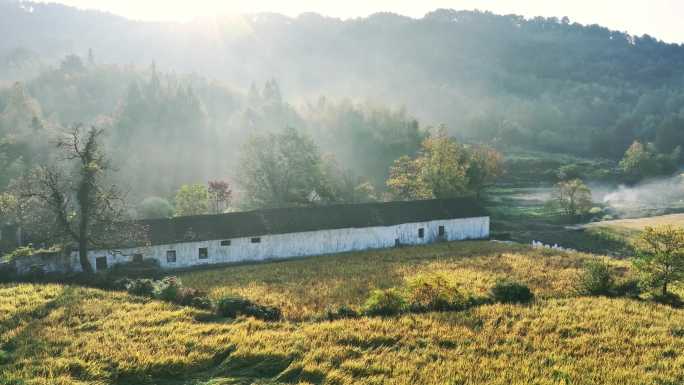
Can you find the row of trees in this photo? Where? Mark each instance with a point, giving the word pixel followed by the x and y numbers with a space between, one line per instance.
pixel 190 199
pixel 73 198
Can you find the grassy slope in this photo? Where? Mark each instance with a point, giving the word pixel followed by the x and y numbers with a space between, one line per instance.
pixel 638 224
pixel 65 335
pixel 620 234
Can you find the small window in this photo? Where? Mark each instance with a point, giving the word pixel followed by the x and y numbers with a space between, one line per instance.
pixel 203 253
pixel 256 240
pixel 441 231
pixel 137 258
pixel 421 232
pixel 171 256
pixel 225 243
pixel 101 263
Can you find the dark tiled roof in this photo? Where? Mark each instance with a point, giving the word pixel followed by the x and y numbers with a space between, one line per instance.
pixel 293 220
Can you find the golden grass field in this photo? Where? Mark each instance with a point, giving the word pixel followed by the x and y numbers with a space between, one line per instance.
pixel 52 334
pixel 620 234
pixel 637 224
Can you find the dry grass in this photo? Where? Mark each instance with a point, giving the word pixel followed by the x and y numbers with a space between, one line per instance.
pixel 638 224
pixel 619 235
pixel 53 334
pixel 304 288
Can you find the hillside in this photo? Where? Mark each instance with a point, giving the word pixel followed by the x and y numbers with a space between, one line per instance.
pixel 543 83
pixel 52 334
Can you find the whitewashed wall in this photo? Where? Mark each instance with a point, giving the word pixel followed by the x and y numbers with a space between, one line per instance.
pixel 290 245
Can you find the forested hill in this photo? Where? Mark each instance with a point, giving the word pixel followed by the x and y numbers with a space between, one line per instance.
pixel 543 83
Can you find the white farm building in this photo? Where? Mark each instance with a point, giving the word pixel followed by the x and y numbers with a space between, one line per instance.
pixel 296 232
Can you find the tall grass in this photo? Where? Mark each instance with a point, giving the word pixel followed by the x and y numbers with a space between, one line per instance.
pixel 52 334
pixel 305 288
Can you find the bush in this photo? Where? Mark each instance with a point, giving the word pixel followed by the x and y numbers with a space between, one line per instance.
pixel 669 299
pixel 596 279
pixel 147 268
pixel 511 292
pixel 595 211
pixel 385 302
pixel 143 287
pixel 266 313
pixel 628 288
pixel 168 288
pixel 433 292
pixel 188 296
pixel 121 284
pixel 233 307
pixel 340 312
pixel 8 272
pixel 201 302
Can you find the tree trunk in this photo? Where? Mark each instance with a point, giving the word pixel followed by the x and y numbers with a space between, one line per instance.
pixel 83 239
pixel 83 256
pixel 664 289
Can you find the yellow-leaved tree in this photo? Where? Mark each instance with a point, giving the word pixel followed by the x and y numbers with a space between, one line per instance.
pixel 444 168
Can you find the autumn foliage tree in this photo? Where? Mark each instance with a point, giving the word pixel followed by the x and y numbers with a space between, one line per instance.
pixel 219 195
pixel 404 180
pixel 444 168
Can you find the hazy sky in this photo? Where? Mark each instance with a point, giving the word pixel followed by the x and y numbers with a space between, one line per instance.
pixel 660 18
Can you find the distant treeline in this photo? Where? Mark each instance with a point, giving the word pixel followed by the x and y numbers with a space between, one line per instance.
pixel 165 130
pixel 542 83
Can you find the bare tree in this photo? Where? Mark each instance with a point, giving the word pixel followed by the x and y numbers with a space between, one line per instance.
pixel 84 207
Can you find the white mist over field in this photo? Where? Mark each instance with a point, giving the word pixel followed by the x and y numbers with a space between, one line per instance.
pixel 650 197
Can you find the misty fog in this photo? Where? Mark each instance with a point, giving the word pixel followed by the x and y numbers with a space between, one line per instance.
pixel 651 197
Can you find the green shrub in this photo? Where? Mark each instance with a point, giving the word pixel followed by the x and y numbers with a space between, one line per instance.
pixel 167 289
pixel 628 288
pixel 669 299
pixel 8 272
pixel 147 268
pixel 266 313
pixel 143 287
pixel 201 302
pixel 595 211
pixel 340 312
pixel 511 292
pixel 232 307
pixel 433 292
pixel 596 279
pixel 121 284
pixel 27 251
pixel 188 296
pixel 385 302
